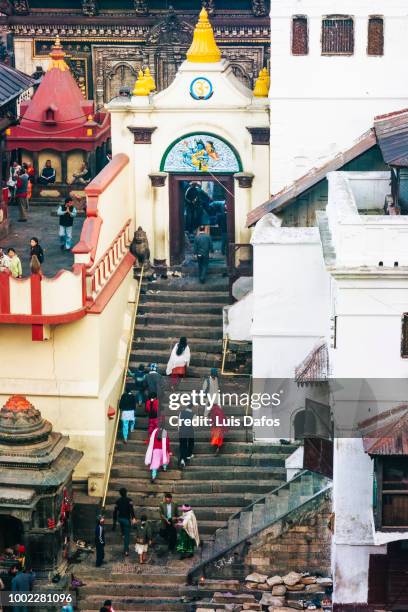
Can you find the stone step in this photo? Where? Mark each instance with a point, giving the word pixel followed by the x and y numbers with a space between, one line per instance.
pixel 184 487
pixel 193 371
pixel 233 435
pixel 214 513
pixel 124 458
pixel 186 320
pixel 233 529
pixel 160 295
pixel 241 448
pixel 162 329
pixel 161 357
pixel 205 526
pixel 202 473
pixel 195 499
pixel 153 308
pixel 156 603
pixel 145 342
pixel 186 284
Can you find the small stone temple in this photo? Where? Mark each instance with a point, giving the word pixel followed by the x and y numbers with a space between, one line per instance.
pixel 59 125
pixel 36 487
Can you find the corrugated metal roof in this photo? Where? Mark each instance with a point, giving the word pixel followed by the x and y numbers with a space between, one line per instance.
pixel 386 433
pixel 315 367
pixel 12 83
pixel 314 176
pixel 392 136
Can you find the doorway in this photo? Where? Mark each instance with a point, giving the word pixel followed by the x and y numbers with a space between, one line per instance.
pixel 200 200
pixel 387 578
pixel 11 532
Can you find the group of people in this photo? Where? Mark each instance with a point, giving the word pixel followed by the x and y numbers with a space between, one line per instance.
pixel 10 260
pixel 178 528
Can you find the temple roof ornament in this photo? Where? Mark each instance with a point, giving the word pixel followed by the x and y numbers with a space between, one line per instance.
pixel 203 49
pixel 142 86
pixel 90 7
pixel 57 57
pixel 170 31
pixel 209 5
pixel 150 83
pixel 259 8
pixel 141 7
pixel 262 83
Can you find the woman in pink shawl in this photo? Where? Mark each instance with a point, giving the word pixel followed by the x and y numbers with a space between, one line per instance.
pixel 218 427
pixel 158 452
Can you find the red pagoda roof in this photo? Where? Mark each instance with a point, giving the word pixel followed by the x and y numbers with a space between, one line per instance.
pixel 58 116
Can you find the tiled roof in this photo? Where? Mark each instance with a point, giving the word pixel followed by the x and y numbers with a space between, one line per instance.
pixel 392 136
pixel 12 83
pixel 386 433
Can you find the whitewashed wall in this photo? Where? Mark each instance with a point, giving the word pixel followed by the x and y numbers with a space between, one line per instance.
pixel 320 104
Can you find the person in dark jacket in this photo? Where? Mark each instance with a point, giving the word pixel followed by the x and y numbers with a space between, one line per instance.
pixel 36 249
pixel 203 246
pixel 168 512
pixel 23 581
pixel 124 514
pixel 7 580
pixel 21 193
pixel 100 541
pixel 154 381
pixel 48 174
pixel 66 213
pixel 143 538
pixel 186 436
pixel 127 406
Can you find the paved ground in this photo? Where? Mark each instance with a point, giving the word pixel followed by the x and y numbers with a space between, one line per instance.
pixel 42 224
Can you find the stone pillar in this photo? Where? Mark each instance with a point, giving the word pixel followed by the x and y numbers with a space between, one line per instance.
pixel 64 167
pixel 160 224
pixel 142 154
pixel 243 204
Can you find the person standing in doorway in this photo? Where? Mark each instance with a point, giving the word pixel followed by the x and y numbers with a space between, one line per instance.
pixel 66 213
pixel 100 541
pixel 168 511
pixel 203 246
pixel 186 436
pixel 21 193
pixel 124 513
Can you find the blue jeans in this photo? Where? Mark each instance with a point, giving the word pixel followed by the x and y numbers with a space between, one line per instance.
pixel 126 427
pixel 125 530
pixel 65 234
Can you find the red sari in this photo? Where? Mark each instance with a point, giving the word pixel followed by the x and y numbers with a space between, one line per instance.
pixel 152 409
pixel 218 426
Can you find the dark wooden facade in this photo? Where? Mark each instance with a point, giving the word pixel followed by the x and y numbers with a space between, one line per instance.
pixel 108 41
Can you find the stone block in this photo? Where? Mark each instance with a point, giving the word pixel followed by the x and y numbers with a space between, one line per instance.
pixel 292 578
pixel 273 580
pixel 256 577
pixel 269 600
pixel 279 590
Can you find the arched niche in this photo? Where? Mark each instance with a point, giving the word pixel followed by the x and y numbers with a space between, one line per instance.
pixel 75 159
pixel 55 158
pixel 201 152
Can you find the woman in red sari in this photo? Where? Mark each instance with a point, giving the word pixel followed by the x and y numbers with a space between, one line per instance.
pixel 152 410
pixel 218 427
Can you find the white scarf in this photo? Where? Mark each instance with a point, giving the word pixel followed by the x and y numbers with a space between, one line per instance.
pixel 149 452
pixel 190 526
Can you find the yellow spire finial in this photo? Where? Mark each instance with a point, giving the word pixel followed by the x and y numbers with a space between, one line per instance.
pixel 57 56
pixel 261 88
pixel 203 49
pixel 141 87
pixel 149 80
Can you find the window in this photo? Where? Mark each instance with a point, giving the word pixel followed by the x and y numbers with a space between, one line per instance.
pixel 300 39
pixel 337 35
pixel 375 45
pixel 49 115
pixel 404 335
pixel 391 487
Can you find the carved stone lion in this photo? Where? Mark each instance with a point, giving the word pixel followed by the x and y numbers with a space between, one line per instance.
pixel 139 247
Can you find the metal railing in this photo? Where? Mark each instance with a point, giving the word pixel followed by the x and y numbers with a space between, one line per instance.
pixel 122 389
pixel 225 343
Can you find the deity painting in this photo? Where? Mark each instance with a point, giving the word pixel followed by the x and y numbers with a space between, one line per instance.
pixel 200 153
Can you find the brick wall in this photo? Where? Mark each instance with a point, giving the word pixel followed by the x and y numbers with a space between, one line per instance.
pixel 302 544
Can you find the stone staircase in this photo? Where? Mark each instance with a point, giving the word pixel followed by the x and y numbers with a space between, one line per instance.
pixel 216 486
pixel 262 513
